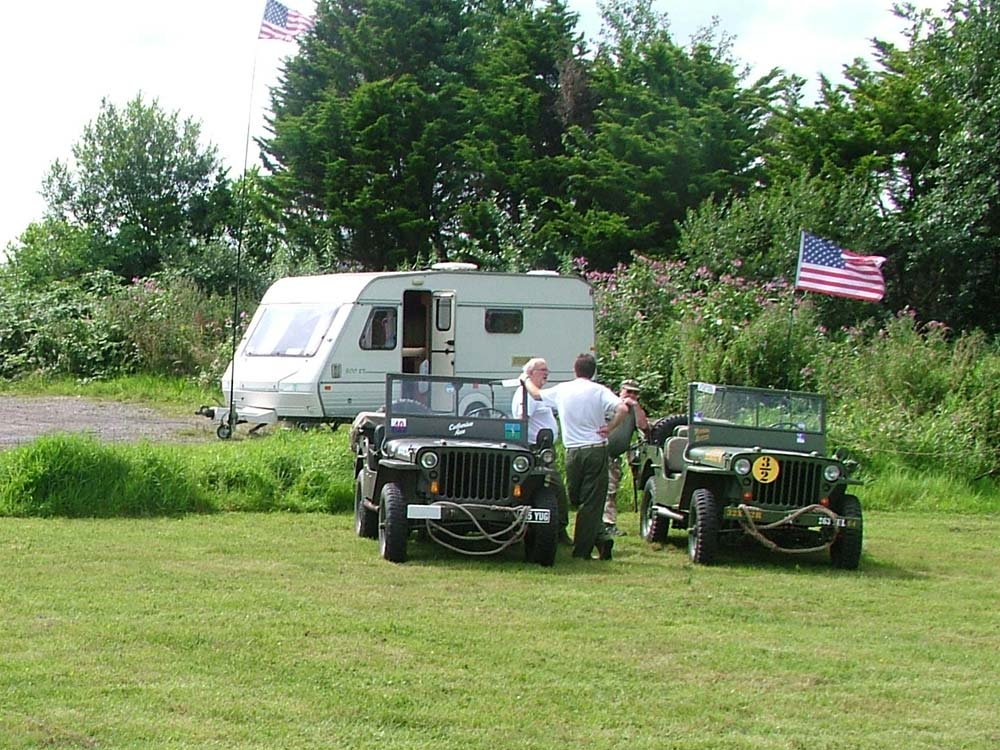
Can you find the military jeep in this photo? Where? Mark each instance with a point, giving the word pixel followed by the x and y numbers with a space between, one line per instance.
pixel 748 462
pixel 445 458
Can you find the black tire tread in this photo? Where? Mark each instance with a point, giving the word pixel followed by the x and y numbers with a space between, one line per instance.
pixel 664 427
pixel 703 529
pixel 393 528
pixel 845 552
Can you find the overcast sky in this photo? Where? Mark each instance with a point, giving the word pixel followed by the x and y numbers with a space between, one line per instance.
pixel 202 59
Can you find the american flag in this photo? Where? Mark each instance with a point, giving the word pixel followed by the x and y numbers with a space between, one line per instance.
pixel 826 268
pixel 284 24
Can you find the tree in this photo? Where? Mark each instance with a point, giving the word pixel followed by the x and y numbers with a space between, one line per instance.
pixel 140 186
pixel 673 127
pixel 953 267
pixel 400 120
pixel 366 122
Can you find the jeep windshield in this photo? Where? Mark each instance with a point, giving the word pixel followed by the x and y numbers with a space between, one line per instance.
pixel 451 407
pixel 757 409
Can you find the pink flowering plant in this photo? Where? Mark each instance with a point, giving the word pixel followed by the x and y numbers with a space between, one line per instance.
pixel 666 323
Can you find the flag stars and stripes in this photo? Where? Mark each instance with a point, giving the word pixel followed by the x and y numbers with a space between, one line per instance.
pixel 284 24
pixel 826 268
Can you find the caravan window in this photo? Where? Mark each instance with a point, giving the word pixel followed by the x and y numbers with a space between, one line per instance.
pixel 380 329
pixel 504 321
pixel 290 331
pixel 442 315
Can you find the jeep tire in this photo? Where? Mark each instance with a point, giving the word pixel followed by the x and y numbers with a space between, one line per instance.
pixel 703 527
pixel 845 552
pixel 652 526
pixel 664 427
pixel 542 540
pixel 393 528
pixel 365 520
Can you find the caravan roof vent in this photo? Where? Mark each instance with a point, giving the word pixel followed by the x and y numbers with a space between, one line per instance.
pixel 542 272
pixel 454 267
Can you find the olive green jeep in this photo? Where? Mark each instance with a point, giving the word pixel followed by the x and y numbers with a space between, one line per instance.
pixel 446 459
pixel 748 462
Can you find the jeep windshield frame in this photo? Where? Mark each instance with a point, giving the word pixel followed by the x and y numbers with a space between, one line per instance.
pixel 451 407
pixel 741 416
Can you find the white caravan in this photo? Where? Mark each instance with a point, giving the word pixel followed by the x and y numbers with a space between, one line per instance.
pixel 318 347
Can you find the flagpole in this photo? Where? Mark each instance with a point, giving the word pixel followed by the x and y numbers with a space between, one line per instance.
pixel 240 230
pixel 791 305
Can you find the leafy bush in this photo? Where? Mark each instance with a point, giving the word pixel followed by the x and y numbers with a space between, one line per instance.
pixel 905 395
pixel 667 324
pixel 98 327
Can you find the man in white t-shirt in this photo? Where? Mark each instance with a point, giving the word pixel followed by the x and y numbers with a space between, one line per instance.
pixel 585 408
pixel 541 417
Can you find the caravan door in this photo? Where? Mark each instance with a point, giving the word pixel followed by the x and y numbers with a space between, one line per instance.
pixel 443 334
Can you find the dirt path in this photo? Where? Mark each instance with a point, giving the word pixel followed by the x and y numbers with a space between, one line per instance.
pixel 24 418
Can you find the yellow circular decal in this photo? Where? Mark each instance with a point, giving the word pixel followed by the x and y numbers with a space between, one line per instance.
pixel 766 469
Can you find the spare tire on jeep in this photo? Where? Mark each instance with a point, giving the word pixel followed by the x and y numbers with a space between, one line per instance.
pixel 664 427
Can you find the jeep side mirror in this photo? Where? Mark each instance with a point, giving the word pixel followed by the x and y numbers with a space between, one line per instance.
pixel 545 438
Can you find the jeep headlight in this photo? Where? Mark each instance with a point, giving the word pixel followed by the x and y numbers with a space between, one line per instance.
pixel 521 464
pixel 428 459
pixel 741 466
pixel 547 456
pixel 831 473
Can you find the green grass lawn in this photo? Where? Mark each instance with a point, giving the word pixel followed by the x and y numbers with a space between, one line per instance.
pixel 286 631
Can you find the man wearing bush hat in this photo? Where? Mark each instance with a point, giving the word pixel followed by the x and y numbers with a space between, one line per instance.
pixel 618 442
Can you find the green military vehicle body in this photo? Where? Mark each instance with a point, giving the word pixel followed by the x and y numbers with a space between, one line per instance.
pixel 748 462
pixel 446 459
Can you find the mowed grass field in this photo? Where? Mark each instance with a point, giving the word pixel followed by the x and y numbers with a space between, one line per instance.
pixel 242 630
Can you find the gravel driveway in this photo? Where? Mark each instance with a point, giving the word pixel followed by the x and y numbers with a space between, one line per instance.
pixel 24 418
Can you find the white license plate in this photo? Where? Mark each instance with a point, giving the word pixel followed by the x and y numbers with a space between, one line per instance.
pixel 539 515
pixel 424 512
pixel 827 521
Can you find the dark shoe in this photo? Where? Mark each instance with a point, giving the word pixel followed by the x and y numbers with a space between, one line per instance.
pixel 564 539
pixel 614 530
pixel 604 549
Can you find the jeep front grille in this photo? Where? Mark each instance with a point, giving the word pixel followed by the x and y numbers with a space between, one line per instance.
pixel 797 485
pixel 475 475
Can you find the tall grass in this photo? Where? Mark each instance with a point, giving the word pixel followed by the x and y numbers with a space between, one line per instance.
pixel 78 476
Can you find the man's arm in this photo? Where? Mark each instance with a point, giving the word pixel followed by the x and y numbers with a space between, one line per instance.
pixel 533 390
pixel 641 420
pixel 619 416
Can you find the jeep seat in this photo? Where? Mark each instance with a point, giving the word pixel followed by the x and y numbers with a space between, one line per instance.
pixel 673 454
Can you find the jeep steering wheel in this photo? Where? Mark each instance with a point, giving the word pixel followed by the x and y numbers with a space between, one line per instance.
pixel 486 412
pixel 783 424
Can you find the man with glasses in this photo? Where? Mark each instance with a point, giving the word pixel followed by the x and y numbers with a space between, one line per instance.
pixel 540 417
